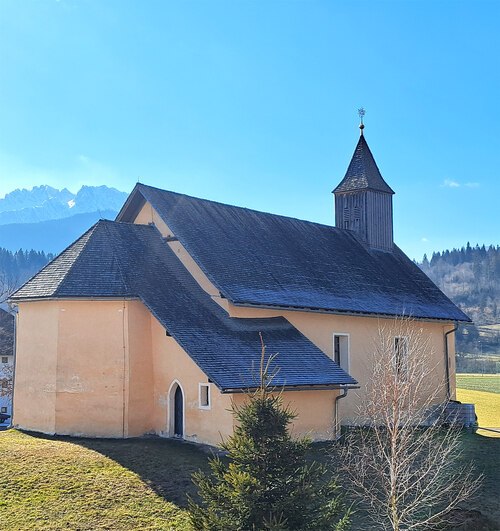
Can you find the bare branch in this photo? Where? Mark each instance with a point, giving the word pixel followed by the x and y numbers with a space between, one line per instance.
pixel 8 283
pixel 6 379
pixel 402 468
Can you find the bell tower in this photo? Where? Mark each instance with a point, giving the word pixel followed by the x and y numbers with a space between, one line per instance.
pixel 363 200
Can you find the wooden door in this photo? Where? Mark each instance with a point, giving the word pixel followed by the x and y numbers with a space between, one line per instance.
pixel 178 413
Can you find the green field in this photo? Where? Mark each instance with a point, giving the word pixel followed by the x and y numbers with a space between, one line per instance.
pixel 487 407
pixel 489 383
pixel 484 392
pixel 56 483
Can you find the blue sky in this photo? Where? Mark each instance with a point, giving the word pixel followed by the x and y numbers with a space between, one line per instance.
pixel 255 103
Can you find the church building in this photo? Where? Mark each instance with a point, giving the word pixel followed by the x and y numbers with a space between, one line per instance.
pixel 150 324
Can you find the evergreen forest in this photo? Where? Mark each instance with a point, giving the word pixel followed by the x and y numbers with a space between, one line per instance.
pixel 470 277
pixel 17 267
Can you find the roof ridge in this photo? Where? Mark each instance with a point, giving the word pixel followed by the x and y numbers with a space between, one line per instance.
pixel 272 214
pixel 113 248
pixel 79 254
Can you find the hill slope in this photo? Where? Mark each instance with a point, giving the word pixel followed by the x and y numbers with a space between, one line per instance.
pixel 50 236
pixel 470 276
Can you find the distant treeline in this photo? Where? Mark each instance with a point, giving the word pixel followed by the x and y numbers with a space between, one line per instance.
pixel 16 267
pixel 470 276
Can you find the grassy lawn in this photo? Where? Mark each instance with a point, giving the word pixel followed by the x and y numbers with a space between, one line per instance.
pixel 489 383
pixel 56 483
pixel 482 512
pixel 484 392
pixel 487 407
pixel 85 484
pixel 484 452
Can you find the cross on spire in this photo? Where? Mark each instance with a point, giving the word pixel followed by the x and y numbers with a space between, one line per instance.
pixel 361 112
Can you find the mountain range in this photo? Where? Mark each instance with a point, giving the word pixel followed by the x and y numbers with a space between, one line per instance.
pixel 43 203
pixel 47 219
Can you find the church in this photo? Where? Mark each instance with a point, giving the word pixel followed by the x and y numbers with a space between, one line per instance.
pixel 151 324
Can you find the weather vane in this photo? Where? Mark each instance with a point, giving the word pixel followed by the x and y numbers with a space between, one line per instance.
pixel 361 113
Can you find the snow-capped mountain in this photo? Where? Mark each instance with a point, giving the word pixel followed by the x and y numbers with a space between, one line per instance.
pixel 43 203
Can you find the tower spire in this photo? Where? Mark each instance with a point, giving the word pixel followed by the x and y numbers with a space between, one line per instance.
pixel 361 113
pixel 363 200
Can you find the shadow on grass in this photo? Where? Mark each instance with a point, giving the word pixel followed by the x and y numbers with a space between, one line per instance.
pixel 481 513
pixel 165 465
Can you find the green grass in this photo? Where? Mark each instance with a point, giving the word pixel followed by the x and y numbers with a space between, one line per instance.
pixel 82 484
pixel 489 383
pixel 487 406
pixel 484 453
pixel 482 512
pixel 56 483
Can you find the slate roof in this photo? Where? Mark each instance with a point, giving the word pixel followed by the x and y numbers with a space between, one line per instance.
pixel 124 260
pixel 363 172
pixel 255 258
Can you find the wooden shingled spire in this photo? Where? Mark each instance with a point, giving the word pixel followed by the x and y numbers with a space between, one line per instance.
pixel 363 200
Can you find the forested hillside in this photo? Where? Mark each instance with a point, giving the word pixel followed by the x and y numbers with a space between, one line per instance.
pixel 17 267
pixel 470 276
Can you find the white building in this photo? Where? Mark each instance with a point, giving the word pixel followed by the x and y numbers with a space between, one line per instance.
pixel 6 363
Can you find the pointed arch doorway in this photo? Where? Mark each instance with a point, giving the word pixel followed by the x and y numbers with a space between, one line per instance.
pixel 178 413
pixel 176 410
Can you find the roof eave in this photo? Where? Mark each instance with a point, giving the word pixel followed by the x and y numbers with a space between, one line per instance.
pixel 246 304
pixel 339 190
pixel 311 387
pixel 16 300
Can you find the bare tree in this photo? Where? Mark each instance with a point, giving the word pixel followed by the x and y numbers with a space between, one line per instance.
pixel 8 283
pixel 6 379
pixel 402 466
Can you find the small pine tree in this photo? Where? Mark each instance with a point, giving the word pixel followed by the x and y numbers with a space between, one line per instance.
pixel 268 484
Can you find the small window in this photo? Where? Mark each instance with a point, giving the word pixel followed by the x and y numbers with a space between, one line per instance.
pixel 204 396
pixel 341 350
pixel 400 353
pixel 5 359
pixel 3 410
pixel 5 384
